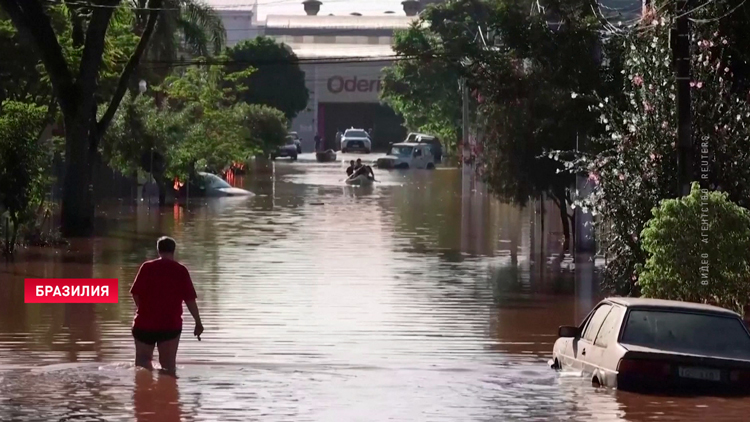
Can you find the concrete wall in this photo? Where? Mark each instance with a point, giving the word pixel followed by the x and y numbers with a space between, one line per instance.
pixel 239 25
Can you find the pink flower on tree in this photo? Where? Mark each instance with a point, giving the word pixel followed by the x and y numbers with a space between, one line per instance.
pixel 594 177
pixel 637 80
pixel 647 107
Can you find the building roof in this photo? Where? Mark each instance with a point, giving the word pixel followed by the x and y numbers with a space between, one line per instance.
pixel 339 22
pixel 673 304
pixel 322 51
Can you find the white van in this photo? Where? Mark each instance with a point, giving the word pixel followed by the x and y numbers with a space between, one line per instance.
pixel 408 155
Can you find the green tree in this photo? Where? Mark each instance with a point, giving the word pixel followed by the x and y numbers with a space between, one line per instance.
pixel 23 163
pixel 19 77
pixel 698 250
pixel 76 85
pixel 633 164
pixel 201 127
pixel 424 91
pixel 188 25
pixel 520 72
pixel 278 81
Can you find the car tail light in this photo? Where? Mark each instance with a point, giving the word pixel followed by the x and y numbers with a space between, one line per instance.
pixel 643 367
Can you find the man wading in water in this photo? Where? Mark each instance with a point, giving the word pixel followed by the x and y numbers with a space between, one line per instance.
pixel 158 291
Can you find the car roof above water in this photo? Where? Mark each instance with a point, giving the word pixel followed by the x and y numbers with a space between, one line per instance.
pixel 643 303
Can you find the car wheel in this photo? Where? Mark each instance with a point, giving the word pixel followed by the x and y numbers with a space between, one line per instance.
pixel 299 150
pixel 344 150
pixel 595 382
pixel 402 166
pixel 367 151
pixel 273 156
pixel 430 166
pixel 294 157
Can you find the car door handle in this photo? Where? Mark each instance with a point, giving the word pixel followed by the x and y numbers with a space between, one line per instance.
pixel 583 353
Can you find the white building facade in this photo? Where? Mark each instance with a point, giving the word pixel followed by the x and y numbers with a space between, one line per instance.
pixel 343 58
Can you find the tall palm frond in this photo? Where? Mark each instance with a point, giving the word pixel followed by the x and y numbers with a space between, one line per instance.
pixel 188 25
pixel 204 16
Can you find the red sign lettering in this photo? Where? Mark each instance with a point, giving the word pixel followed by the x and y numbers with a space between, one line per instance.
pixel 339 84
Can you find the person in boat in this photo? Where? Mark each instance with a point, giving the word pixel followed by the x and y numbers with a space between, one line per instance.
pixel 350 169
pixel 361 169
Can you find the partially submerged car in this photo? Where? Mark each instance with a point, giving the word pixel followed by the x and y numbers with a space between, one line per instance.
pixel 433 141
pixel 213 185
pixel 293 137
pixel 288 150
pixel 407 155
pixel 650 344
pixel 356 140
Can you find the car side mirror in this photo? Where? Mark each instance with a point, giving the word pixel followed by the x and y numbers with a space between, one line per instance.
pixel 567 331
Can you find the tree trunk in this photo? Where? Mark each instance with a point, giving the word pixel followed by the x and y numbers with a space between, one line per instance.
pixel 75 95
pixel 14 234
pixel 77 195
pixel 162 186
pixel 562 205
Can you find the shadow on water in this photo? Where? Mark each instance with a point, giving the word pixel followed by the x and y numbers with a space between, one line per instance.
pixel 408 300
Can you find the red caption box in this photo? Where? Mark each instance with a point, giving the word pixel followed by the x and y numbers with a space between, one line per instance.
pixel 70 290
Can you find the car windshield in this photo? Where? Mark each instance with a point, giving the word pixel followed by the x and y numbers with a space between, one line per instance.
pixel 685 332
pixel 289 140
pixel 355 134
pixel 215 181
pixel 401 151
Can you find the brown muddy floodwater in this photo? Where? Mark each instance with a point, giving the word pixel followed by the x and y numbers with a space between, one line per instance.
pixel 324 303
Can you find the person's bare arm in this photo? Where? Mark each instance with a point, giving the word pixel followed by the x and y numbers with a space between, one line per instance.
pixel 193 308
pixel 137 286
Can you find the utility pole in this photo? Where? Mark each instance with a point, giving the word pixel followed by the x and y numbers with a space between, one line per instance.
pixel 465 118
pixel 681 57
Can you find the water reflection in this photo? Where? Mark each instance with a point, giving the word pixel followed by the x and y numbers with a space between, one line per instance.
pixel 403 301
pixel 156 398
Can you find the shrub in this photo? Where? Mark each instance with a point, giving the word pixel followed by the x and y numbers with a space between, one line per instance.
pixel 23 164
pixel 698 250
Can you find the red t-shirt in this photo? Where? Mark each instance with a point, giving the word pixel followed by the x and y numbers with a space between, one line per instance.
pixel 161 286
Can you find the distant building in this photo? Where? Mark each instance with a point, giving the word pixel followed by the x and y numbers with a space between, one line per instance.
pixel 342 57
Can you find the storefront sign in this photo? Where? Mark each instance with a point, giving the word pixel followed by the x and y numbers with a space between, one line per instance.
pixel 347 83
pixel 339 84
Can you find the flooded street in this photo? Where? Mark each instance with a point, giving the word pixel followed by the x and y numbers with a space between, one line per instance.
pixel 322 302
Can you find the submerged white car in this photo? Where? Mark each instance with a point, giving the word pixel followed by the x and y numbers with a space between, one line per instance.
pixel 356 140
pixel 216 186
pixel 408 155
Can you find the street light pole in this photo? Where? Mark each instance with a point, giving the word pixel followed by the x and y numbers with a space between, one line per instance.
pixel 681 54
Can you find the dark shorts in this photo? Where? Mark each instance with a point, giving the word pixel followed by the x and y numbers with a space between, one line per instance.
pixel 153 337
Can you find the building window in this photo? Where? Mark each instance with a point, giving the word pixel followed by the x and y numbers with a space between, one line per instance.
pixel 324 39
pixel 373 40
pixel 386 40
pixel 297 39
